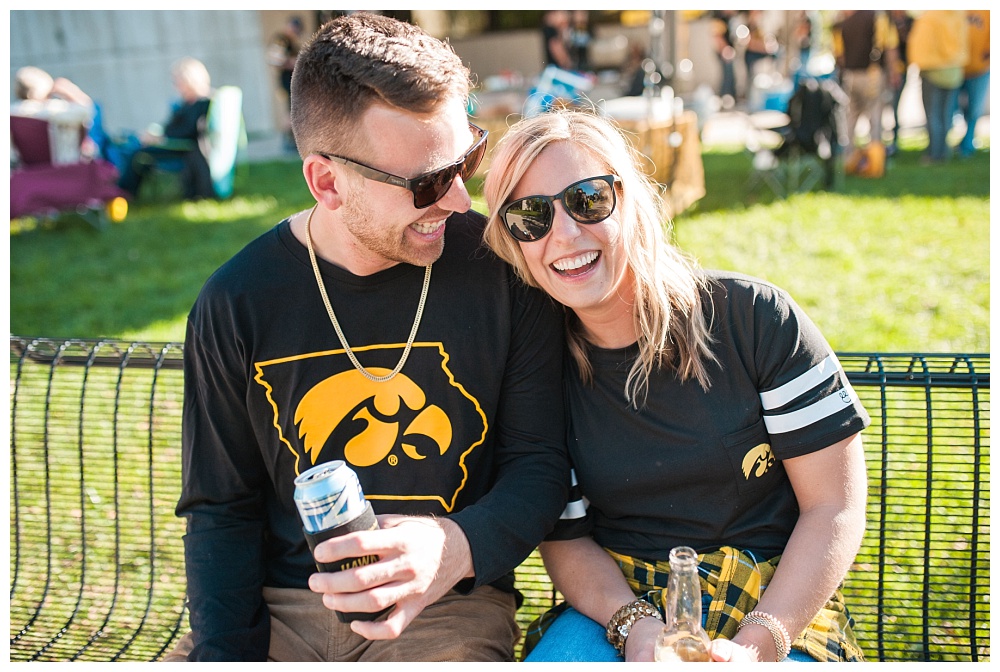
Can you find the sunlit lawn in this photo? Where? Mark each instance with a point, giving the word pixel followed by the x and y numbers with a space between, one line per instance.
pixel 895 264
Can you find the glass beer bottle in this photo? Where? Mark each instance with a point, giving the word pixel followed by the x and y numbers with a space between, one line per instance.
pixel 683 639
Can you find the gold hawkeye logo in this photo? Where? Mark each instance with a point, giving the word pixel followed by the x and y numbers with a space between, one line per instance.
pixel 758 460
pixel 410 438
pixel 335 399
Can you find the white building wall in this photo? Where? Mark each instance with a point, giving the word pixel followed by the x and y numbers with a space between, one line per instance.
pixel 122 58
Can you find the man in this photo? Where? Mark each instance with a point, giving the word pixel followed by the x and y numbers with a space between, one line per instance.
pixel 309 346
pixel 69 111
pixel 865 45
pixel 939 47
pixel 281 54
pixel 725 50
pixel 975 89
pixel 555 33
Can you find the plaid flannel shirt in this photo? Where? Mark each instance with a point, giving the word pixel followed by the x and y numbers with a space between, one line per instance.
pixel 735 581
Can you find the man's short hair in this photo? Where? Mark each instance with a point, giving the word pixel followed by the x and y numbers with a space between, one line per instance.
pixel 359 60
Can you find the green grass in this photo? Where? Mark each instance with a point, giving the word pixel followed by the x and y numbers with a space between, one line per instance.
pixel 138 279
pixel 105 528
pixel 895 264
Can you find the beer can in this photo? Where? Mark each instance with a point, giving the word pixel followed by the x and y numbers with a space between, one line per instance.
pixel 328 495
pixel 331 503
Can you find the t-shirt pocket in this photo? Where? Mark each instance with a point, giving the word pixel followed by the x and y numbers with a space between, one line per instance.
pixel 753 462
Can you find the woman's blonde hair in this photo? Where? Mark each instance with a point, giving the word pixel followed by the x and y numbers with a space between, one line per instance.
pixel 673 328
pixel 31 83
pixel 193 72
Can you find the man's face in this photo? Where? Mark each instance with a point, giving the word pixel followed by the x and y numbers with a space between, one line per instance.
pixel 383 226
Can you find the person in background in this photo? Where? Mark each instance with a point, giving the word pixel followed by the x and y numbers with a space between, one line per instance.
pixel 639 72
pixel 802 38
pixel 725 50
pixel 704 409
pixel 555 39
pixel 180 137
pixel 69 111
pixel 865 46
pixel 351 331
pixel 903 22
pixel 579 40
pixel 283 51
pixel 975 89
pixel 38 94
pixel 761 46
pixel 939 46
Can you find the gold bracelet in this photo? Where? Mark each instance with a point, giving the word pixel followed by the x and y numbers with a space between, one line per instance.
pixel 782 642
pixel 621 623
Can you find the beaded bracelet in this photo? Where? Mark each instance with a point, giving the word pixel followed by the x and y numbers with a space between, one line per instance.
pixel 782 642
pixel 621 623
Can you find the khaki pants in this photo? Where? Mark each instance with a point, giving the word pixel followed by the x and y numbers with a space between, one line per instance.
pixel 477 627
pixel 866 92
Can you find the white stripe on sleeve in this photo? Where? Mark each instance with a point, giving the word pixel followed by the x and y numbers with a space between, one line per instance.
pixel 825 407
pixel 780 396
pixel 574 510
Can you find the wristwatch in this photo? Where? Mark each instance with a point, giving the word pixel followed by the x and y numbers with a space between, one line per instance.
pixel 621 623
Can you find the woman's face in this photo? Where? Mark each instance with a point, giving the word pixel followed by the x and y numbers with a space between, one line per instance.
pixel 582 266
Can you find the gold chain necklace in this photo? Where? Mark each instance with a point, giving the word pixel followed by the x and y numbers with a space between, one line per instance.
pixel 336 325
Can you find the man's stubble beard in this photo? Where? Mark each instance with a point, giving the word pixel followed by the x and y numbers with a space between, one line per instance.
pixel 362 222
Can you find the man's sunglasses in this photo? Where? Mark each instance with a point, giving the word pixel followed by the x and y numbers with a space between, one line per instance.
pixel 429 188
pixel 588 201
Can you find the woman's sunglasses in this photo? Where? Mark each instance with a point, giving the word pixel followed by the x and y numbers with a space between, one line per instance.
pixel 588 201
pixel 429 188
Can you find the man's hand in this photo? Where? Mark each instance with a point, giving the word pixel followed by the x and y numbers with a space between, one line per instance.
pixel 420 559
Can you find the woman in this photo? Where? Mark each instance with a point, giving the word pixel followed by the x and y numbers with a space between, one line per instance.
pixel 706 410
pixel 939 45
pixel 180 138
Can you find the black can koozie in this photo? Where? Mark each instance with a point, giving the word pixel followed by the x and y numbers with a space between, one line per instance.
pixel 331 504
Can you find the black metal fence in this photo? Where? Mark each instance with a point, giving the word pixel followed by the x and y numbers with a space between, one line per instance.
pixel 97 564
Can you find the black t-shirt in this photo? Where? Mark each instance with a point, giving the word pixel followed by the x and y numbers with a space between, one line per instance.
pixel 471 428
pixel 185 122
pixel 703 469
pixel 550 33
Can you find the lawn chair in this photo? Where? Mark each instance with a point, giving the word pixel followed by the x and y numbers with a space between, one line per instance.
pixel 42 187
pixel 221 142
pixel 810 141
pixel 226 137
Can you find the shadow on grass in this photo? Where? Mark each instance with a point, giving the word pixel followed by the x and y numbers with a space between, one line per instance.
pixel 139 278
pixel 70 280
pixel 727 173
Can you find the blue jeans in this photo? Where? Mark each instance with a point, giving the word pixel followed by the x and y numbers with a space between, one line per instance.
pixel 976 90
pixel 574 638
pixel 938 105
pixel 897 95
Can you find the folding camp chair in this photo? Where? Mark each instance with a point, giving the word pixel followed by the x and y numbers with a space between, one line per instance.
pixel 810 140
pixel 226 137
pixel 41 187
pixel 220 144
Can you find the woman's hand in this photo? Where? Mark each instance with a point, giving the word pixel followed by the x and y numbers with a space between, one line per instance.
pixel 725 651
pixel 642 639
